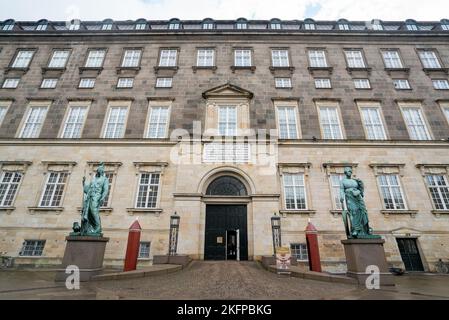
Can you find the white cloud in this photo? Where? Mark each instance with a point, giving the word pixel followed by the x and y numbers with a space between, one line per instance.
pixel 223 9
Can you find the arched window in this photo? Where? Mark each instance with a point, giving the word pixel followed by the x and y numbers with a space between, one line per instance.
pixel 227 186
pixel 42 25
pixel 208 24
pixel 275 24
pixel 141 24
pixel 309 24
pixel 8 25
pixel 174 24
pixel 445 24
pixel 343 24
pixel 107 24
pixel 242 24
pixel 411 25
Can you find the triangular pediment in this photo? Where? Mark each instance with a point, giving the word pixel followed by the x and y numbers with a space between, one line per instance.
pixel 227 91
pixel 405 231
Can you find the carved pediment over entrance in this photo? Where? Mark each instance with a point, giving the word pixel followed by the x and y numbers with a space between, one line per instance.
pixel 227 91
pixel 406 232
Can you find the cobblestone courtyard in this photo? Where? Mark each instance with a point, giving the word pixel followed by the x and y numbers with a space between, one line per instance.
pixel 216 280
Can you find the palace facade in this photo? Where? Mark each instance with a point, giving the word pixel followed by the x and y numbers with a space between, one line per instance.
pixel 225 123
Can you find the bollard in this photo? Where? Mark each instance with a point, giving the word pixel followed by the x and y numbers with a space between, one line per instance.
pixel 132 250
pixel 312 248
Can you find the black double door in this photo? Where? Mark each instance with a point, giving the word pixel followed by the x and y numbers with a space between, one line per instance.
pixel 226 233
pixel 410 254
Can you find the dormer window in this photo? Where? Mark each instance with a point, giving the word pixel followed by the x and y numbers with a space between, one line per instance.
pixel 107 25
pixel 174 25
pixel 445 25
pixel 343 25
pixel 208 24
pixel 141 24
pixel 42 26
pixel 241 24
pixel 377 25
pixel 75 25
pixel 275 25
pixel 309 24
pixel 411 25
pixel 8 25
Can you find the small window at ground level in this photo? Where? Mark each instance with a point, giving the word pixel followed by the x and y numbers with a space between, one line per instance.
pixel 32 248
pixel 144 250
pixel 299 251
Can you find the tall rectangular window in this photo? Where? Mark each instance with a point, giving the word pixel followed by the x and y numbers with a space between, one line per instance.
pixel 295 192
pixel 280 58
pixel 205 57
pixel 110 177
pixel 95 58
pixel 317 58
pixel 439 190
pixel 33 122
pixel 429 59
pixel 23 59
pixel 158 123
pixel 32 248
pixel 227 121
pixel 242 58
pixel 330 123
pixel 116 123
pixel 355 59
pixel 391 190
pixel 288 128
pixel 299 251
pixel 372 120
pixel 54 189
pixel 392 59
pixel 168 58
pixel 59 59
pixel 416 124
pixel 335 180
pixel 144 250
pixel 131 58
pixel 9 184
pixel 3 110
pixel 148 190
pixel 74 123
pixel 445 110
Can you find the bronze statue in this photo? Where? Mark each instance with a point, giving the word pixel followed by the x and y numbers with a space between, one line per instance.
pixel 355 217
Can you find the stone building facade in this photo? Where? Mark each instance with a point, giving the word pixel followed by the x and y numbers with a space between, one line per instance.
pixel 219 119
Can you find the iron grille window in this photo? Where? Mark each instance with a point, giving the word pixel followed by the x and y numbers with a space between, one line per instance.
pixel 157 128
pixel 295 192
pixel 32 248
pixel 439 190
pixel 287 123
pixel 74 122
pixel 144 250
pixel 9 184
pixel 299 251
pixel 33 122
pixel 373 123
pixel 148 190
pixel 54 189
pixel 391 192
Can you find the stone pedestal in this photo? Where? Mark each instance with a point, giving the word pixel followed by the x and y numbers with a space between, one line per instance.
pixel 87 253
pixel 182 260
pixel 362 253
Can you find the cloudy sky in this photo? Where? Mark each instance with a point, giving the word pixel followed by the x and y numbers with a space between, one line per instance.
pixel 224 9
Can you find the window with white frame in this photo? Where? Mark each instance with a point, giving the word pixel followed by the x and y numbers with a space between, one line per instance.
pixel 309 26
pixel 144 250
pixel 9 185
pixel 391 190
pixel 8 26
pixel 148 190
pixel 125 83
pixel 242 25
pixel 440 84
pixel 280 58
pixel 116 122
pixel 287 122
pixel 317 59
pixel 323 83
pixel 158 122
pixel 141 26
pixel 377 25
pixel 32 248
pixel 355 59
pixel 372 120
pixel 168 58
pixel 174 26
pixel 34 120
pixel 335 181
pixel 23 59
pixel 205 58
pixel 49 83
pixel 87 83
pixel 445 110
pixel 42 26
pixel 294 191
pixel 343 26
pixel 330 123
pixel 416 123
pixel 401 84
pixel 242 58
pixel 110 176
pixel 131 58
pixel 392 59
pixel 59 59
pixel 445 27
pixel 429 59
pixel 74 122
pixel 283 83
pixel 275 26
pixel 75 25
pixel 439 190
pixel 227 121
pixel 299 251
pixel 53 192
pixel 11 83
pixel 412 27
pixel 106 26
pixel 95 58
pixel 164 82
pixel 3 110
pixel 362 84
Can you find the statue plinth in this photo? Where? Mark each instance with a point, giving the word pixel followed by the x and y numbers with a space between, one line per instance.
pixel 87 253
pixel 362 253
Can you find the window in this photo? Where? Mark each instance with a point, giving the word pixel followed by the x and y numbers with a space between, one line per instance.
pixel 335 180
pixel 75 25
pixel 95 58
pixel 208 24
pixel 401 84
pixel 323 84
pixel 144 250
pixel 440 84
pixel 125 82
pixel 372 120
pixel 295 192
pixel 377 25
pixel 299 251
pixel 242 25
pixel 106 26
pixel 23 59
pixel 309 24
pixel 330 123
pixel 283 83
pixel 439 190
pixel 3 110
pixel 287 123
pixel 227 121
pixel 8 26
pixel 41 27
pixel 343 26
pixel 74 122
pixel 54 189
pixel 116 123
pixel 391 190
pixel 317 59
pixel 141 26
pixel 11 83
pixel 242 58
pixel 445 110
pixel 392 59
pixel 355 59
pixel 148 190
pixel 205 57
pixel 174 26
pixel 168 58
pixel 445 27
pixel 59 59
pixel 49 83
pixel 429 59
pixel 9 184
pixel 158 123
pixel 34 121
pixel 87 83
pixel 280 58
pixel 164 82
pixel 416 124
pixel 32 248
pixel 275 26
pixel 110 176
pixel 412 27
pixel 131 58
pixel 362 84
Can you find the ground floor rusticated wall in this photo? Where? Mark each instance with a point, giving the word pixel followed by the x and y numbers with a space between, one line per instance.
pixel 183 188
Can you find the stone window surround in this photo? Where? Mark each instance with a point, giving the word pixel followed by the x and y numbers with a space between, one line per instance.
pixel 25 69
pixel 47 68
pixel 290 66
pixel 434 169
pixel 373 104
pixel 168 103
pixel 33 103
pixel 98 69
pixel 122 68
pixel 5 103
pixel 288 103
pixel 390 70
pixel 444 105
pixel 365 61
pixel 14 166
pixel 418 105
pixel 52 166
pixel 335 103
pixel 213 67
pixel 174 68
pixel 75 103
pixel 116 103
pixel 428 71
pixel 312 70
pixel 252 67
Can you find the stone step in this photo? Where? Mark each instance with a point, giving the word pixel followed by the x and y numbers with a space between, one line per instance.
pixel 147 272
pixel 317 276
